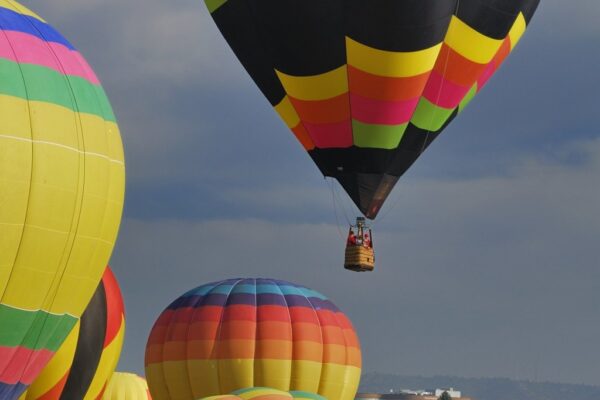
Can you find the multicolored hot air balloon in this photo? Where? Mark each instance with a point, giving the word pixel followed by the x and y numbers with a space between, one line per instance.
pixel 366 86
pixel 261 393
pixel 82 366
pixel 241 333
pixel 61 192
pixel 126 386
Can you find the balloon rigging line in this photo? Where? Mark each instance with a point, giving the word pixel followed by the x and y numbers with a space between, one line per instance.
pixel 337 225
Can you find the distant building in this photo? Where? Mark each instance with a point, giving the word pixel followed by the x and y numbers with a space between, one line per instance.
pixel 412 395
pixel 455 394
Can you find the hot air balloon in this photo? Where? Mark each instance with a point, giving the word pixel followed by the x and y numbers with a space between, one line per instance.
pixel 61 192
pixel 261 393
pixel 241 333
pixel 82 366
pixel 126 386
pixel 366 86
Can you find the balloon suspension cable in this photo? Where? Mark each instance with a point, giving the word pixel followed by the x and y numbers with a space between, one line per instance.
pixel 428 131
pixel 341 202
pixel 337 220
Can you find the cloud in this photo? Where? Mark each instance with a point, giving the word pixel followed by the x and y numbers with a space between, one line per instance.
pixel 497 273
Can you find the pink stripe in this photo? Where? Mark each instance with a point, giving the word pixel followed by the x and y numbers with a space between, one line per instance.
pixel 486 75
pixel 19 364
pixel 442 92
pixel 382 112
pixel 324 136
pixel 28 49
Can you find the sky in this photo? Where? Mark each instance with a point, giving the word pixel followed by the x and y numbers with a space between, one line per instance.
pixel 488 256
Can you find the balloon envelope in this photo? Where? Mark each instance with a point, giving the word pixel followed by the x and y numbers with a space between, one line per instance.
pixel 126 386
pixel 242 333
pixel 61 192
pixel 83 364
pixel 366 86
pixel 261 393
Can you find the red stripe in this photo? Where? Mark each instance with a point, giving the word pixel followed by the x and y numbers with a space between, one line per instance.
pixel 114 306
pixel 19 364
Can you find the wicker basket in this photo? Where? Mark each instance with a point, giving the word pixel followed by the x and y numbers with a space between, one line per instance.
pixel 359 258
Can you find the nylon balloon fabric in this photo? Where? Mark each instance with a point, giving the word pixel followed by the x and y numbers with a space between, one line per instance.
pixel 243 333
pixel 364 85
pixel 62 180
pixel 126 386
pixel 84 363
pixel 261 393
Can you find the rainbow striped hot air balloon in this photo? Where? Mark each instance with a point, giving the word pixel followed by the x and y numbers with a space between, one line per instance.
pixel 261 393
pixel 241 333
pixel 61 192
pixel 87 359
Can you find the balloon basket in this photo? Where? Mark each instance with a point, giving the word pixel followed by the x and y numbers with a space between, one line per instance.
pixel 359 258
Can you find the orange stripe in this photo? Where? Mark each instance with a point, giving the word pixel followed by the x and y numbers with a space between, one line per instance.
pixel 303 137
pixel 386 88
pixel 203 330
pixel 307 331
pixel 503 52
pixel 237 330
pixel 308 351
pixel 331 110
pixel 274 349
pixel 232 349
pixel 153 354
pixel 457 68
pixel 274 330
pixel 201 349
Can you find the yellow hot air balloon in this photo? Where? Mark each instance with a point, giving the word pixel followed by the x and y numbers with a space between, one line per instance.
pixel 62 178
pixel 126 386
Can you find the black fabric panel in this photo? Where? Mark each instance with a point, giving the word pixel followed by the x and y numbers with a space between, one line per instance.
pixel 334 161
pixel 528 9
pixel 368 191
pixel 394 25
pixel 302 37
pixel 90 345
pixel 492 18
pixel 236 22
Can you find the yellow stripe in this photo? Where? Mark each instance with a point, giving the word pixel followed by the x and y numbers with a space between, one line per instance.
pixel 288 113
pixel 517 30
pixel 339 382
pixel 14 6
pixel 389 63
pixel 470 43
pixel 57 368
pixel 316 87
pixel 42 156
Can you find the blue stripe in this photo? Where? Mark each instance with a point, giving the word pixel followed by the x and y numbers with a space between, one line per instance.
pixel 13 21
pixel 11 392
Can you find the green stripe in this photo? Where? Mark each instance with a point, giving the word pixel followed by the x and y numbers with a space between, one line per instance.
pixel 33 329
pixel 305 395
pixel 430 117
pixel 377 136
pixel 212 5
pixel 47 85
pixel 467 99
